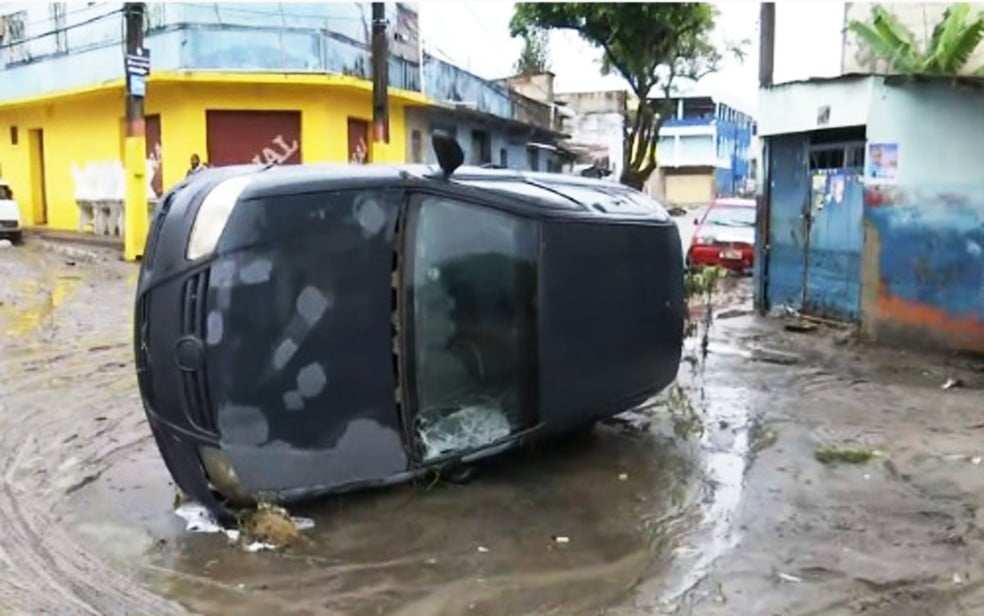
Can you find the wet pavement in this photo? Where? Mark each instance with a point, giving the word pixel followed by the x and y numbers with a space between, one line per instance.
pixel 707 501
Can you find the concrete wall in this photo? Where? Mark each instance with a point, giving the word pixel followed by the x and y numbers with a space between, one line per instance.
pixel 797 107
pixel 429 119
pixel 278 37
pixel 924 234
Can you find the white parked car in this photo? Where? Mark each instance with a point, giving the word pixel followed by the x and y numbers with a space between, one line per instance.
pixel 10 224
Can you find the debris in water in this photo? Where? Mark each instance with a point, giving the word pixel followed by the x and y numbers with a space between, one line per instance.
pixel 270 525
pixel 831 454
pixel 267 528
pixel 951 383
pixel 774 356
pixel 562 539
pixel 469 427
pixel 198 519
pixel 802 327
pixel 785 577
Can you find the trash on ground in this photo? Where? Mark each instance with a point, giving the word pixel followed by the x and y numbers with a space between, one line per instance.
pixel 483 549
pixel 774 356
pixel 562 539
pixel 733 313
pixel 469 427
pixel 957 579
pixel 270 525
pixel 198 519
pixel 951 383
pixel 976 460
pixel 785 577
pixel 800 326
pixel 623 476
pixel 832 454
pixel 6 243
pixel 267 528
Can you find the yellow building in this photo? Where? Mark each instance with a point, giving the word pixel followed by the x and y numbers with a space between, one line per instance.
pixel 225 118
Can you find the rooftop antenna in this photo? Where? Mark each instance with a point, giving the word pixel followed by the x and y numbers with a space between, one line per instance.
pixel 449 154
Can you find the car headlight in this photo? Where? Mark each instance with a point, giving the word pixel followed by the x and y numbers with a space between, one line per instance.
pixel 213 215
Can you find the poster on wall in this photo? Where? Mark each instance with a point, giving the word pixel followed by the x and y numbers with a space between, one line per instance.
pixel 819 186
pixel 883 162
pixel 836 187
pixel 152 127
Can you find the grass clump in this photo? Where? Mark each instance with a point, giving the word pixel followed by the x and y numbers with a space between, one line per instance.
pixel 834 454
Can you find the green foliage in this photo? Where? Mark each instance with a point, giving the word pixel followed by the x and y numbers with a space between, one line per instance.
pixel 535 57
pixel 651 45
pixel 955 38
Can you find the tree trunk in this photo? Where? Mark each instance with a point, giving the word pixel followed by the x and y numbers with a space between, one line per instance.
pixel 632 178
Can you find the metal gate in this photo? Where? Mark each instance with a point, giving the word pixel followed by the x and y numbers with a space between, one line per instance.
pixel 258 137
pixel 815 229
pixel 832 268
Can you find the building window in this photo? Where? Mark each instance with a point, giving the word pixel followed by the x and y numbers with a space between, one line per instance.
pixel 504 158
pixel 481 153
pixel 533 159
pixel 61 34
pixel 12 37
pixel 13 135
pixel 416 147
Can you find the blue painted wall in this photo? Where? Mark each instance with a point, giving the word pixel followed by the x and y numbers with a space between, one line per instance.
pixel 927 230
pixel 905 255
pixel 517 156
pixel 445 82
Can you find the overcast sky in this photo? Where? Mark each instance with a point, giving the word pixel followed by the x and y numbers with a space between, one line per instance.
pixel 474 34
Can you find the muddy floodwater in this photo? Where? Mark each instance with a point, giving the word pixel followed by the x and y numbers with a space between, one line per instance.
pixel 709 500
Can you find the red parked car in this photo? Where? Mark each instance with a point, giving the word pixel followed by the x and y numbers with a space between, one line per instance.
pixel 725 236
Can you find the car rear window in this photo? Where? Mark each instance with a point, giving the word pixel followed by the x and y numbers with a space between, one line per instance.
pixel 731 216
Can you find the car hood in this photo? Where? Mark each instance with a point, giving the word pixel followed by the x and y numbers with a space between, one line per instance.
pixel 9 210
pixel 724 234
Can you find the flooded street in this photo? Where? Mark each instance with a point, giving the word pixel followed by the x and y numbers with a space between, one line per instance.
pixel 709 500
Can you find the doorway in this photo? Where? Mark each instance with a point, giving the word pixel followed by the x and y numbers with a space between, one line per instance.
pixel 358 141
pixel 39 196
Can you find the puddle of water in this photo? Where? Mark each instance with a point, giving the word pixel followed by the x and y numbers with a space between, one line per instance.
pixel 415 548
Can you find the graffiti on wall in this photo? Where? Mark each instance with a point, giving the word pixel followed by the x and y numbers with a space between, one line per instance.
pixel 277 153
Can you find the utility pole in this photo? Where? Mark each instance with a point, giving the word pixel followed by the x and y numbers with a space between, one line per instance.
pixel 767 43
pixel 137 66
pixel 380 76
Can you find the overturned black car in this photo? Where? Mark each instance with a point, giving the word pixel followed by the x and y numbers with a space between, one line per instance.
pixel 302 330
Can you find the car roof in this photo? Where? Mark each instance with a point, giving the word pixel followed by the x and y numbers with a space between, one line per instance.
pixel 733 202
pixel 560 191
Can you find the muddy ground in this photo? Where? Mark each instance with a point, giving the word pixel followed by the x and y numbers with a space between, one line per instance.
pixel 709 501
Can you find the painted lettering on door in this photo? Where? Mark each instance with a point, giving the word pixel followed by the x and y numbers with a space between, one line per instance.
pixel 278 152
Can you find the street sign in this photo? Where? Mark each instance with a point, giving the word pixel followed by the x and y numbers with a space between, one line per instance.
pixel 137 69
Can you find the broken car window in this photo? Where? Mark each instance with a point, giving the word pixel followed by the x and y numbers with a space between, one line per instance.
pixel 474 288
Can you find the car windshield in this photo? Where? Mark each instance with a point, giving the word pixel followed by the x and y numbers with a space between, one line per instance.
pixel 731 217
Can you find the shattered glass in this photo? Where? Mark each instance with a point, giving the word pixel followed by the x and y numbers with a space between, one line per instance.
pixel 467 428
